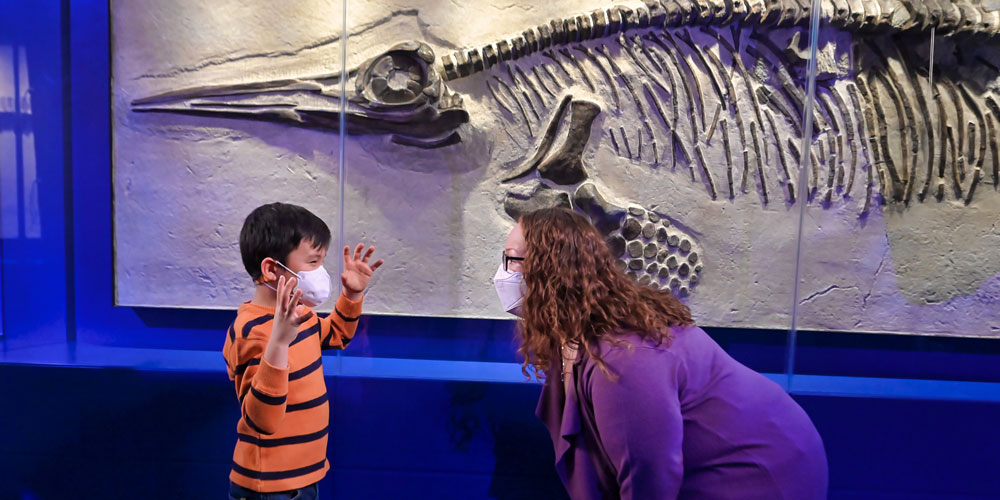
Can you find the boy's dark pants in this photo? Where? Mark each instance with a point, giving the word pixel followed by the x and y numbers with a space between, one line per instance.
pixel 237 492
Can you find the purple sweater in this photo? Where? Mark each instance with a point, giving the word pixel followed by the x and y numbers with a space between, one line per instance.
pixel 683 420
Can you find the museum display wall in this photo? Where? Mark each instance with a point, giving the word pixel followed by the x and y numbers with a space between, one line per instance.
pixel 135 136
pixel 677 127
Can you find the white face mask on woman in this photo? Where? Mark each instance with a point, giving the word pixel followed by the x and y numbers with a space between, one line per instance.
pixel 316 285
pixel 510 288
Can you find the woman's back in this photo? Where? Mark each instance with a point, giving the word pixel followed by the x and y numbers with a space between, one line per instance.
pixel 686 420
pixel 744 436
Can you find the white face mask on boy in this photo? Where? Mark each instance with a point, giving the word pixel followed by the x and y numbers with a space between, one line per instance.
pixel 316 285
pixel 510 288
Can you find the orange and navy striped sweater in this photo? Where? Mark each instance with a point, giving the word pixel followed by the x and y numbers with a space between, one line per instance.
pixel 285 416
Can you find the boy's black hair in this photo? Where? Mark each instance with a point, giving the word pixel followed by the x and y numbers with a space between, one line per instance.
pixel 275 230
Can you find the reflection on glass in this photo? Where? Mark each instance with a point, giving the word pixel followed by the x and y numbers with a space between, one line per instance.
pixel 19 217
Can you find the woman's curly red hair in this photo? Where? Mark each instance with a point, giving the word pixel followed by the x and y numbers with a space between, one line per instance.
pixel 576 295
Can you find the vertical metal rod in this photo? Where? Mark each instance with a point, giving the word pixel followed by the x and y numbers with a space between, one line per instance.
pixel 342 171
pixel 803 178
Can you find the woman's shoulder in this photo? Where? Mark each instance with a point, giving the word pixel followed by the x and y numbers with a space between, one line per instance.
pixel 631 354
pixel 628 340
pixel 686 342
pixel 632 346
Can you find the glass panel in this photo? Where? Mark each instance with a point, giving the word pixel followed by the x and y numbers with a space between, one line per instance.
pixel 235 112
pixel 415 189
pixel 659 136
pixel 900 238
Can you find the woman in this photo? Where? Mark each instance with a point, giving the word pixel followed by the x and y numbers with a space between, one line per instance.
pixel 640 403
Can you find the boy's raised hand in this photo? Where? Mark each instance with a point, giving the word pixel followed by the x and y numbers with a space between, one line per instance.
pixel 288 313
pixel 357 271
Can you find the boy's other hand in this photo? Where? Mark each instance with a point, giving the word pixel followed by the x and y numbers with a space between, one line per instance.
pixel 288 313
pixel 357 271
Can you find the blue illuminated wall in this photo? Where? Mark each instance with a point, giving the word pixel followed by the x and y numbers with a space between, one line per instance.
pixel 107 402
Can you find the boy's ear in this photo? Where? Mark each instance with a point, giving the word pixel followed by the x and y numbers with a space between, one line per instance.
pixel 268 270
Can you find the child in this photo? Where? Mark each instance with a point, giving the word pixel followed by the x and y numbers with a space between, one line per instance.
pixel 272 350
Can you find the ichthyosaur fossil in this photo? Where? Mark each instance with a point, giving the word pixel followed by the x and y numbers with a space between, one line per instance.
pixel 710 90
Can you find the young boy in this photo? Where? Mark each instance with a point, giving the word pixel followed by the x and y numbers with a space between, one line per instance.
pixel 272 350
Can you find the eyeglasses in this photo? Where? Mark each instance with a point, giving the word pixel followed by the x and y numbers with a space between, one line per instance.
pixel 507 258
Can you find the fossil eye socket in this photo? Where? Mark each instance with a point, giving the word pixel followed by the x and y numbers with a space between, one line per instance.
pixel 396 77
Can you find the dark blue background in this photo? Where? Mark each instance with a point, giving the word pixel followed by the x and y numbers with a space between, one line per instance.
pixel 98 401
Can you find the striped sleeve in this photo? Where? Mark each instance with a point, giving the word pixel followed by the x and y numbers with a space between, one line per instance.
pixel 265 397
pixel 227 350
pixel 338 328
pixel 261 387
